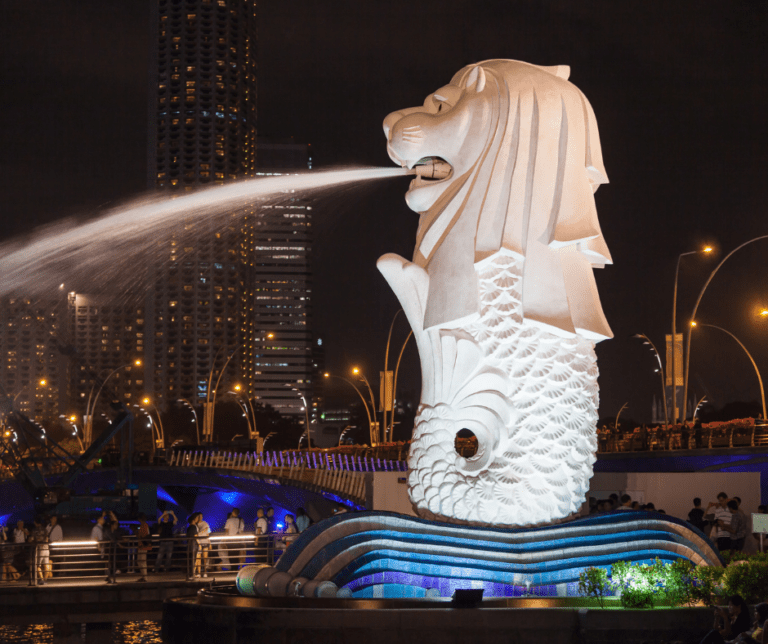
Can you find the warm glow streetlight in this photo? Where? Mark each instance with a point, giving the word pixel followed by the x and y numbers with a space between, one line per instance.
pixel 693 323
pixel 359 393
pixel 707 249
pixel 764 313
pixel 374 433
pixel 696 308
pixel 43 382
pixel 749 355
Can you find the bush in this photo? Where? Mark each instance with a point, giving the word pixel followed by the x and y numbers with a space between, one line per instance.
pixel 680 583
pixel 594 582
pixel 640 584
pixel 748 579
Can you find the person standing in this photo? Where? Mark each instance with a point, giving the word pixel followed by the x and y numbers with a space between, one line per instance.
pixel 38 551
pixel 261 529
pixel 143 545
pixel 55 534
pixel 302 520
pixel 204 543
pixel 9 573
pixel 165 547
pixel 696 515
pixel 737 527
pixel 719 512
pixel 234 526
pixel 192 546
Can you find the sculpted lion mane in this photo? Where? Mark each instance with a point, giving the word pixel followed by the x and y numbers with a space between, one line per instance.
pixel 501 293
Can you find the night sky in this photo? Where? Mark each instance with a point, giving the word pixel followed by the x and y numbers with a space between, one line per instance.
pixel 679 90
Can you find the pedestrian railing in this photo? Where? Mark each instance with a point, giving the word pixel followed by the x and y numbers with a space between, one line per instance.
pixel 337 473
pixel 134 559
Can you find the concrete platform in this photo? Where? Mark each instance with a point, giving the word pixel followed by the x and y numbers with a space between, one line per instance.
pixel 83 601
pixel 354 621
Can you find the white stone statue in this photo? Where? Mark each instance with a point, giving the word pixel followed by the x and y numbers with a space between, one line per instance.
pixel 501 293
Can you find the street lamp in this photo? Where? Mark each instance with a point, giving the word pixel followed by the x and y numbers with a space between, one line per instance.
pixel 359 393
pixel 660 370
pixel 90 406
pixel 374 426
pixel 696 308
pixel 673 352
pixel 194 413
pixel 73 420
pixel 751 359
pixel 160 431
pixel 210 401
pixel 306 414
pixel 394 388
pixel 244 407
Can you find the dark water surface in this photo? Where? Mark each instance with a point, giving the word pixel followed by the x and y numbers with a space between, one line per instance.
pixel 145 632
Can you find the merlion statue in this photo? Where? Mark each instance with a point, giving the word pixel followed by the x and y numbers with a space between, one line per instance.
pixel 501 293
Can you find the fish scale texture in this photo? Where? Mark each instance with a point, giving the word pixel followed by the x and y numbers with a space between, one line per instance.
pixel 531 398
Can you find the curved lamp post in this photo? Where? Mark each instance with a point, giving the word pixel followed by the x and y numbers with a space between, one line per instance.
pixel 647 340
pixel 673 375
pixel 386 374
pixel 194 414
pixel 374 430
pixel 696 307
pixel 90 407
pixel 210 400
pixel 359 393
pixel 751 359
pixel 244 408
pixel 616 422
pixel 394 388
pixel 159 427
pixel 306 414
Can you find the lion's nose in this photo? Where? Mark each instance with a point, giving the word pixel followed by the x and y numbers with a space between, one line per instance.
pixel 390 121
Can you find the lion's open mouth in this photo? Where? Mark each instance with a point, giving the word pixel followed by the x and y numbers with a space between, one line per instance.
pixel 432 169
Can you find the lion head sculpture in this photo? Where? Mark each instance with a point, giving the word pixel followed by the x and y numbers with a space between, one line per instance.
pixel 524 158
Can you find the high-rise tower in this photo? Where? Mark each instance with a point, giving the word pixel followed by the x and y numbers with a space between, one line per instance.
pixel 202 131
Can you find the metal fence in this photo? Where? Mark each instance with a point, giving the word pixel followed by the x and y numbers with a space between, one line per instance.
pixel 133 559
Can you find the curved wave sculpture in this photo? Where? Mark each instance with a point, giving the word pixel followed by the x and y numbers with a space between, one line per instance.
pixel 501 294
pixel 391 554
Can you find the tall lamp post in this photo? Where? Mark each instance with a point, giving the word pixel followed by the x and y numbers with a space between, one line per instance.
pixel 394 388
pixel 751 359
pixel 210 397
pixel 194 414
pixel 359 393
pixel 160 431
pixel 673 352
pixel 696 308
pixel 374 426
pixel 306 413
pixel 90 407
pixel 249 405
pixel 647 340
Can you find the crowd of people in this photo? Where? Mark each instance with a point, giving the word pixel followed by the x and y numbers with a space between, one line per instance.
pixel 27 549
pixel 137 546
pixel 723 520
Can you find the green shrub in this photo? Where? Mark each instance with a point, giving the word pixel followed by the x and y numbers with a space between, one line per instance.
pixel 707 584
pixel 747 578
pixel 594 582
pixel 680 583
pixel 640 584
